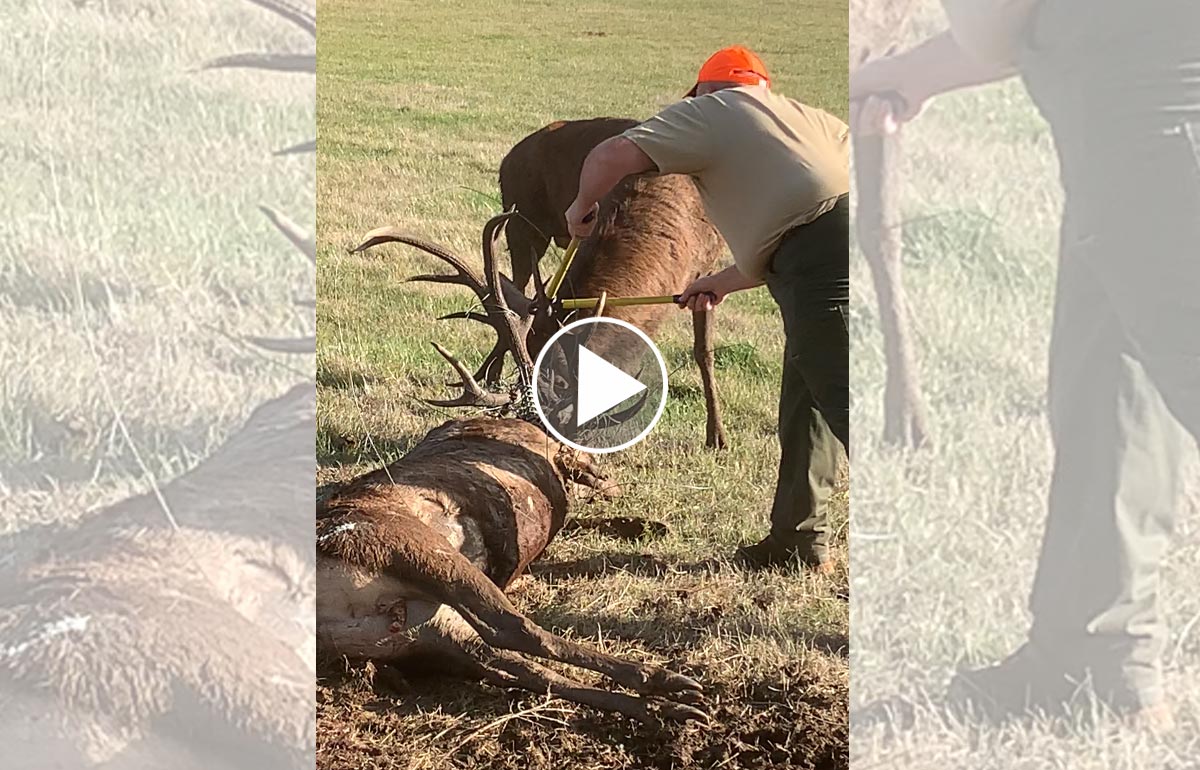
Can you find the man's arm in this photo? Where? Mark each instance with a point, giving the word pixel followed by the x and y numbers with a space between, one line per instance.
pixel 607 164
pixel 934 67
pixel 940 65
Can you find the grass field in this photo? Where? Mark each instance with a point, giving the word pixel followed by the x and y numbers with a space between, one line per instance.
pixel 417 105
pixel 132 251
pixel 945 539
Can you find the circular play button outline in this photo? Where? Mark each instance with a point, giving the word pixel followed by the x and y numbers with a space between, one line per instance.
pixel 662 397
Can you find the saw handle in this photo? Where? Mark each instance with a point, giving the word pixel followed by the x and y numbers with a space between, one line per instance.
pixel 711 298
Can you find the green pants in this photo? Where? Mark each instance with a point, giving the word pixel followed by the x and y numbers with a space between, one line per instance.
pixel 1125 349
pixel 809 279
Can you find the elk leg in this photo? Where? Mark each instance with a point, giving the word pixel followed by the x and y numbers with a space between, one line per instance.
pixel 875 160
pixel 702 351
pixel 583 470
pixel 507 669
pixel 449 577
pixel 526 247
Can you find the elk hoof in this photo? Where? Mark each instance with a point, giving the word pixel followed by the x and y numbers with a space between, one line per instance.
pixel 679 712
pixel 666 681
pixel 906 434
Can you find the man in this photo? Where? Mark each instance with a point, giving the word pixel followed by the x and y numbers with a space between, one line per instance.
pixel 774 178
pixel 1114 81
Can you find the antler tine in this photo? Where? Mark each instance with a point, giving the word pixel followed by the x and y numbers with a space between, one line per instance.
pixel 473 394
pixel 515 330
pixel 466 276
pixel 275 62
pixel 301 17
pixel 539 286
pixel 300 239
pixel 466 315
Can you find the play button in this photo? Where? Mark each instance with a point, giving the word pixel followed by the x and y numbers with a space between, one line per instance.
pixel 601 385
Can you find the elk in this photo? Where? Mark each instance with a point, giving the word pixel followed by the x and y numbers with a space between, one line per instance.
pixel 874 27
pixel 173 626
pixel 413 558
pixel 652 238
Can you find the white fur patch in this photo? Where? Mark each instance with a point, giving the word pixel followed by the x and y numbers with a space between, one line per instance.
pixel 339 529
pixel 49 631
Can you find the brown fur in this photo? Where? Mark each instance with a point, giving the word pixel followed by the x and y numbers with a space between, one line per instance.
pixel 875 28
pixel 413 559
pixel 652 237
pixel 127 633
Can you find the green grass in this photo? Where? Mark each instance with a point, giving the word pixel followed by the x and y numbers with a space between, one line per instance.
pixel 417 105
pixel 945 539
pixel 132 250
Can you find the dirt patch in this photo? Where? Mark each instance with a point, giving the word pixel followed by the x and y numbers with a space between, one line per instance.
pixel 386 721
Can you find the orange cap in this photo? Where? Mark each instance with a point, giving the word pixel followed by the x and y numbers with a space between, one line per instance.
pixel 734 64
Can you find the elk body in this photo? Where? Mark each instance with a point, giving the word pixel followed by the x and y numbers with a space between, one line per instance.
pixel 173 629
pixel 875 27
pixel 413 558
pixel 652 238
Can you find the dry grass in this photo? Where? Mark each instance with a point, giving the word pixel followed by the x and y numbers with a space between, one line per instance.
pixel 417 106
pixel 945 539
pixel 132 251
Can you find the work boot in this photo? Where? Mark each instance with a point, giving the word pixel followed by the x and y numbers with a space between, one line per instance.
pixel 1026 684
pixel 770 552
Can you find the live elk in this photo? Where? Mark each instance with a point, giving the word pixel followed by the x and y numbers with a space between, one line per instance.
pixel 413 558
pixel 652 237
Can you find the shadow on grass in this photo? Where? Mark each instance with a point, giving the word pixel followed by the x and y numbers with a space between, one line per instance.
pixel 25 288
pixel 689 625
pixel 336 449
pixel 340 378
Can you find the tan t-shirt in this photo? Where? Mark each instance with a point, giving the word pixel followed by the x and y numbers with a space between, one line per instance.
pixel 990 30
pixel 763 163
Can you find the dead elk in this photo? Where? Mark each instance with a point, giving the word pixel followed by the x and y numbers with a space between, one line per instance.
pixel 413 558
pixel 175 628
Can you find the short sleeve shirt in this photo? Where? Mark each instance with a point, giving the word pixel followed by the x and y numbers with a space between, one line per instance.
pixel 763 164
pixel 990 30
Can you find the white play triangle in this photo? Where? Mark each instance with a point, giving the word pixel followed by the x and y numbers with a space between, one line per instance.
pixel 601 386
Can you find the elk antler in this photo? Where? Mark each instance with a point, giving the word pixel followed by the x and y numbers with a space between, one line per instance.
pixel 473 394
pixel 506 309
pixel 507 322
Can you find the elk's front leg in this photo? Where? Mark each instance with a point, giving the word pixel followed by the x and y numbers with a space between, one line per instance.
pixel 876 159
pixel 702 351
pixel 526 247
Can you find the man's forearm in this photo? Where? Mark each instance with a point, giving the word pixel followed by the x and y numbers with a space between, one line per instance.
pixel 940 65
pixel 735 280
pixel 606 165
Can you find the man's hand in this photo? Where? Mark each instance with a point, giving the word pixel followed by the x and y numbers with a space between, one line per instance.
pixel 884 94
pixel 581 218
pixel 707 292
